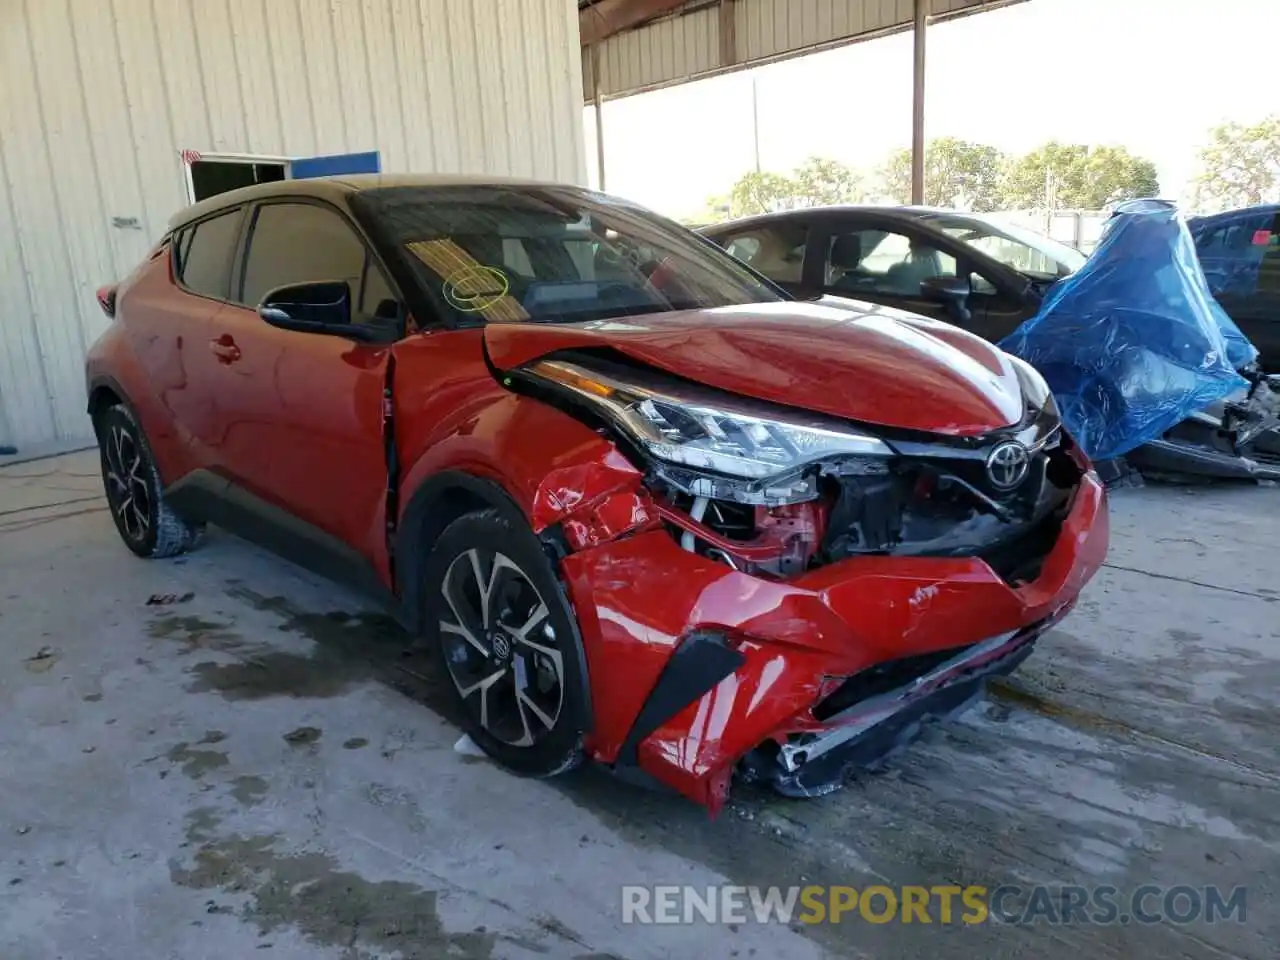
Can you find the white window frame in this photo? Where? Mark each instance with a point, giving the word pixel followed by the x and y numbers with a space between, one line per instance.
pixel 248 158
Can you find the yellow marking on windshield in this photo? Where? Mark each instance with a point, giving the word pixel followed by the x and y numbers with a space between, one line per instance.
pixel 468 285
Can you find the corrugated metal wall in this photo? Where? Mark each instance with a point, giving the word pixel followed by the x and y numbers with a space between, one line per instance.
pixel 97 98
pixel 709 36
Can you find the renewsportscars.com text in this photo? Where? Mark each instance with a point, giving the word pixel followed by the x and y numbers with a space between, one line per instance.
pixel 1063 905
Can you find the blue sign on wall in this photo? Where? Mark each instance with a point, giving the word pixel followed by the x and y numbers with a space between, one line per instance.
pixel 313 167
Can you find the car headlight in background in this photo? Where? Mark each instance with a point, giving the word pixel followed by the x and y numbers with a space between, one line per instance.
pixel 710 444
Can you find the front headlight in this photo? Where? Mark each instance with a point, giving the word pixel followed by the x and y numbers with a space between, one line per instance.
pixel 720 446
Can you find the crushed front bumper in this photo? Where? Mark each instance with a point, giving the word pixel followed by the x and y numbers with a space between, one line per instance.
pixel 813 764
pixel 693 665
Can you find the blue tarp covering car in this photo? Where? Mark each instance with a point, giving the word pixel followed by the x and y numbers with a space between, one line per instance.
pixel 1133 343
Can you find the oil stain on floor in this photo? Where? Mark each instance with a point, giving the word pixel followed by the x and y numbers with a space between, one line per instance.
pixel 346 652
pixel 196 763
pixel 249 791
pixel 331 907
pixel 327 905
pixel 347 649
pixel 307 891
pixel 194 633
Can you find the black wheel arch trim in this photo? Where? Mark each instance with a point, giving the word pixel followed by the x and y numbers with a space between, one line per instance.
pixel 106 381
pixel 423 506
pixel 697 665
pixel 470 493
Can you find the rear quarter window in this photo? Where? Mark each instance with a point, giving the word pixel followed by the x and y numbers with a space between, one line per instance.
pixel 203 255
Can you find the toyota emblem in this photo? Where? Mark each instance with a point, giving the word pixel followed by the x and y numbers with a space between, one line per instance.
pixel 1007 465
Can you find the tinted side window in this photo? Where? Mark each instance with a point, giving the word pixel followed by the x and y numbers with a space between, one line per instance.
pixel 1208 242
pixel 884 261
pixel 181 244
pixel 205 250
pixel 302 242
pixel 981 285
pixel 776 250
pixel 377 300
pixel 1240 257
pixel 1268 240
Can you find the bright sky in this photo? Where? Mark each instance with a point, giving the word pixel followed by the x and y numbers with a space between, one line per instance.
pixel 1152 75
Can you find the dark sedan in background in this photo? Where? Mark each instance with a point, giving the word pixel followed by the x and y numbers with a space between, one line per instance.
pixel 963 268
pixel 1240 253
pixel 974 271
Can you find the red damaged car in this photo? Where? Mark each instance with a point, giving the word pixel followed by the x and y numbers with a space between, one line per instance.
pixel 649 509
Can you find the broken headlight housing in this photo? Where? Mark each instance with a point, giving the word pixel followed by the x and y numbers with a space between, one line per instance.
pixel 709 444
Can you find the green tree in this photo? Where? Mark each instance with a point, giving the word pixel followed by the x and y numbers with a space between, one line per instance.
pixel 1074 176
pixel 1045 177
pixel 816 182
pixel 762 192
pixel 1240 166
pixel 716 209
pixel 821 182
pixel 957 173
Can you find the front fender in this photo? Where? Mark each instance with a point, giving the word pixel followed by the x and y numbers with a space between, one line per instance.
pixel 550 466
pixel 465 443
pixel 453 416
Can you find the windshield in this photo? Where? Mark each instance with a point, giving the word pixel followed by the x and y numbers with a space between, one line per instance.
pixel 1026 251
pixel 554 254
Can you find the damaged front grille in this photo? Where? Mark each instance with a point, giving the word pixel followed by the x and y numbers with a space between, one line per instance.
pixel 1019 559
pixel 941 507
pixel 939 497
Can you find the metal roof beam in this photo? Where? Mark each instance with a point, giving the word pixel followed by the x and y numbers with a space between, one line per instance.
pixel 678 42
pixel 604 18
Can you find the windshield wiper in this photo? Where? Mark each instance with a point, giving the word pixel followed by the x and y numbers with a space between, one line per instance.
pixel 587 316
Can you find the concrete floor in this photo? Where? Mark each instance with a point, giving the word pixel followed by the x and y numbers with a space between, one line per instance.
pixel 260 768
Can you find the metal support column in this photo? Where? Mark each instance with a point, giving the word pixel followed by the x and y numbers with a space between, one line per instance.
pixel 755 119
pixel 917 105
pixel 599 105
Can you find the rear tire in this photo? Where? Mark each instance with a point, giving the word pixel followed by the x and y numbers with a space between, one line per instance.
pixel 147 525
pixel 506 639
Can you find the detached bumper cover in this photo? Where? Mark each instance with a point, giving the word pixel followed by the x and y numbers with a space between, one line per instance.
pixel 813 764
pixel 1175 458
pixel 641 598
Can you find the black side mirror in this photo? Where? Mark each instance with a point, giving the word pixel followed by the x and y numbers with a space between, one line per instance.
pixel 323 307
pixel 953 291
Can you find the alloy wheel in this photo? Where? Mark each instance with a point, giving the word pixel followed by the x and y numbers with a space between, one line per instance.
pixel 500 647
pixel 128 482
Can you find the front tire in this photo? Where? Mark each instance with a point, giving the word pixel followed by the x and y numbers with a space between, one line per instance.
pixel 147 525
pixel 506 639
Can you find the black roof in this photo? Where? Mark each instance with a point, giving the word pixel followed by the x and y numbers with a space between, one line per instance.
pixel 336 189
pixel 1266 209
pixel 886 212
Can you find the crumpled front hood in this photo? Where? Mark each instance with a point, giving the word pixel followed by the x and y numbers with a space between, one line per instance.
pixel 840 357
